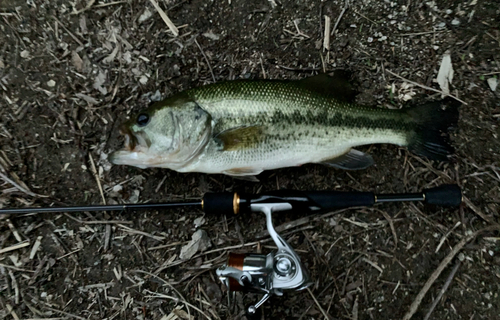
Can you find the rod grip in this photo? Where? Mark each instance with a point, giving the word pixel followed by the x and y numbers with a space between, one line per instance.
pixel 447 195
pixel 220 203
pixel 336 200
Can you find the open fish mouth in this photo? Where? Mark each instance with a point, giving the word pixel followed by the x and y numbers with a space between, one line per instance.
pixel 135 151
pixel 135 142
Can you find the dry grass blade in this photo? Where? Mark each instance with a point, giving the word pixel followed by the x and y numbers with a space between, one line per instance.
pixel 416 303
pixel 165 18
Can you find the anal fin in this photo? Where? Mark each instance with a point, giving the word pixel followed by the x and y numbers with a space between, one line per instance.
pixel 245 173
pixel 351 160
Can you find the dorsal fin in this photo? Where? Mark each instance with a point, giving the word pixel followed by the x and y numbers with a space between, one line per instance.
pixel 335 86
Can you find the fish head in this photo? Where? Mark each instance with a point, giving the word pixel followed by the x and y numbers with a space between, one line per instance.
pixel 169 134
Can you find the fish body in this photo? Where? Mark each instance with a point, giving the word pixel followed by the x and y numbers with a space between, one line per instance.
pixel 244 127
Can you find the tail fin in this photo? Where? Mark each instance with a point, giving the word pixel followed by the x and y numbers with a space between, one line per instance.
pixel 434 120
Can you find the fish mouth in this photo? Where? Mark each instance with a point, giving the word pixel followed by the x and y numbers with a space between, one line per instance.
pixel 135 141
pixel 135 151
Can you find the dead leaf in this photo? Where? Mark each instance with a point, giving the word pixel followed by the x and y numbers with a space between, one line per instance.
pixel 445 74
pixel 77 61
pixel 99 81
pixel 493 83
pixel 199 242
pixel 89 99
pixel 112 55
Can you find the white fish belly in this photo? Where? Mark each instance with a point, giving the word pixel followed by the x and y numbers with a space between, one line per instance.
pixel 279 154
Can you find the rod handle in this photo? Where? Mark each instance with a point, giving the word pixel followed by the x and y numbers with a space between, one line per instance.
pixel 336 199
pixel 220 203
pixel 447 195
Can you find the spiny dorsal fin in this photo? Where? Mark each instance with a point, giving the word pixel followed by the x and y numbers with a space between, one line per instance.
pixel 336 86
pixel 351 160
pixel 240 138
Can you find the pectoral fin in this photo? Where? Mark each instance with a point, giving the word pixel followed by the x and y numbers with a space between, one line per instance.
pixel 240 138
pixel 352 160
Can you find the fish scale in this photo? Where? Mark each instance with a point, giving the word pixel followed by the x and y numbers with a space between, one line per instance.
pixel 253 125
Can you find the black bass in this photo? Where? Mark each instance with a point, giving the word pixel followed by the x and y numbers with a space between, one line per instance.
pixel 243 127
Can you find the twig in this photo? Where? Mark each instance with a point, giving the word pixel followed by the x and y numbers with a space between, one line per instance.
pixel 165 18
pixel 101 5
pixel 443 238
pixel 69 32
pixel 65 313
pixel 15 247
pixel 15 286
pixel 319 306
pixel 88 6
pixel 326 39
pixel 206 59
pixel 165 282
pixel 35 247
pixel 27 191
pixel 477 210
pixel 391 224
pixel 142 233
pixel 164 296
pixel 10 309
pixel 416 303
pixel 443 290
pixel 340 17
pixel 14 268
pixel 425 87
pixel 96 175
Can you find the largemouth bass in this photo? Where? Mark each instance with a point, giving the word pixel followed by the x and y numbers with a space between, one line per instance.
pixel 243 127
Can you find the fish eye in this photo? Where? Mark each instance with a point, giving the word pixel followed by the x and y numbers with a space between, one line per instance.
pixel 142 119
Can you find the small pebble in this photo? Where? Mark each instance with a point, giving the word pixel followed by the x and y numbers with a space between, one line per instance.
pixel 25 54
pixel 370 39
pixel 51 83
pixel 455 22
pixel 461 256
pixel 143 79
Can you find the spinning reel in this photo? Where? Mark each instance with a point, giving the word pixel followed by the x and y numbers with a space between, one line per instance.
pixel 267 274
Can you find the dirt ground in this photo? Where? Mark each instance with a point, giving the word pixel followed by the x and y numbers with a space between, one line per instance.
pixel 72 71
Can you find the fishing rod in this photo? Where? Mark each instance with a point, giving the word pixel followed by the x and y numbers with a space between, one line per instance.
pixel 310 201
pixel 281 269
